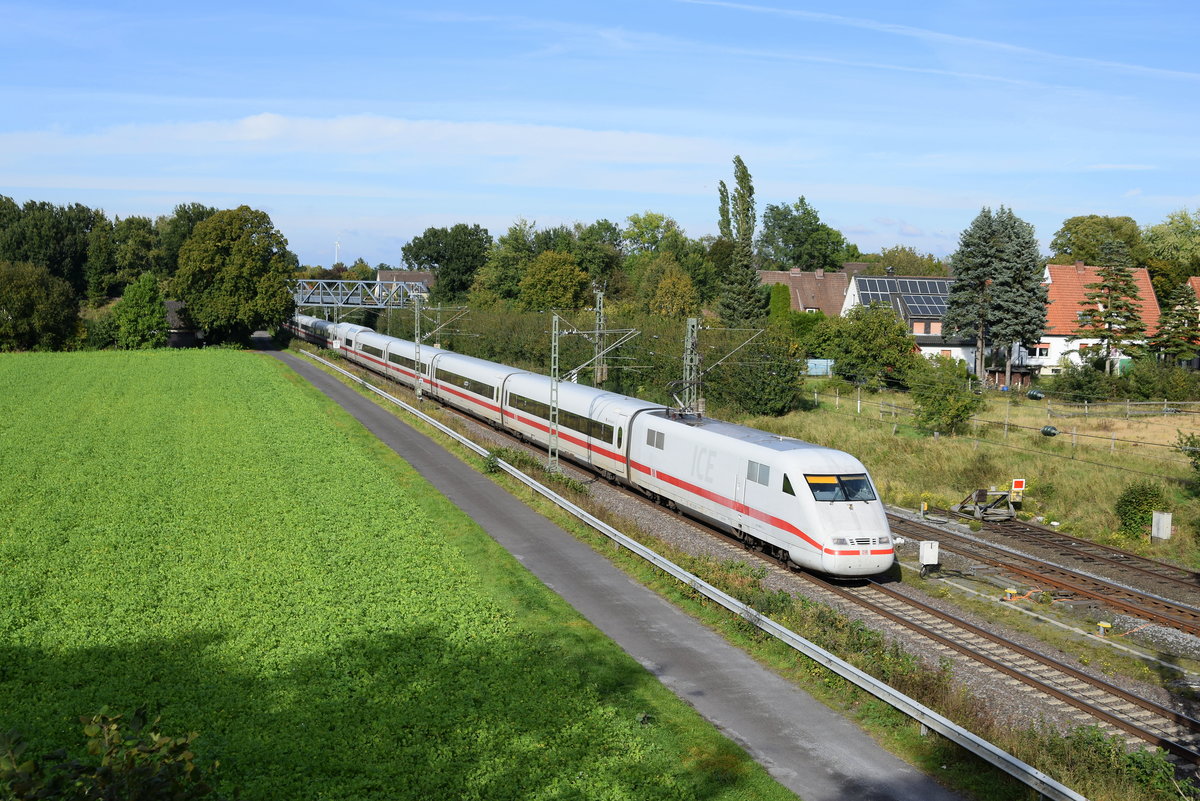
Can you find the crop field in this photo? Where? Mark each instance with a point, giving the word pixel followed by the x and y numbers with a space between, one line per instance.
pixel 200 533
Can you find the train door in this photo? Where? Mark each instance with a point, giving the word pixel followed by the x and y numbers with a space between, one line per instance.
pixel 620 425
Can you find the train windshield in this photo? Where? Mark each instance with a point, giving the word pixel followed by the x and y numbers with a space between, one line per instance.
pixel 854 487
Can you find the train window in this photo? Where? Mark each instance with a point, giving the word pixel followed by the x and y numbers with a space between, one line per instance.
pixel 858 488
pixel 372 350
pixel 655 439
pixel 529 406
pixel 469 384
pixel 396 358
pixel 619 432
pixel 758 473
pixel 787 485
pixel 841 488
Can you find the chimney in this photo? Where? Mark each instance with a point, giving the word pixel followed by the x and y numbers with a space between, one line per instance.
pixel 1079 267
pixel 820 273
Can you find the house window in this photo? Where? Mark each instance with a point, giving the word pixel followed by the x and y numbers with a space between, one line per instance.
pixel 928 326
pixel 946 353
pixel 811 310
pixel 1039 351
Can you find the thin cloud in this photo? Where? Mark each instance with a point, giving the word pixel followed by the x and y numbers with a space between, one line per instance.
pixel 946 38
pixel 1111 167
pixel 408 140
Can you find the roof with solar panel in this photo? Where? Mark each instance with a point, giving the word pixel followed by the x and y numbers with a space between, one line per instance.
pixel 912 298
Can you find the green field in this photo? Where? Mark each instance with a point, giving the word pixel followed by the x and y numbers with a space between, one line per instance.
pixel 201 533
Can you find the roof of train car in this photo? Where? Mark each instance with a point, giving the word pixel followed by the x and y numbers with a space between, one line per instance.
pixel 581 395
pixel 450 359
pixel 743 433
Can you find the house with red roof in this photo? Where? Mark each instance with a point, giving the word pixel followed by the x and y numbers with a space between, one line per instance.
pixel 1067 286
pixel 811 290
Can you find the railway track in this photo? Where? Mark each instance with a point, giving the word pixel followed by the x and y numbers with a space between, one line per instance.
pixel 1113 708
pixel 1092 700
pixel 1063 581
pixel 1166 580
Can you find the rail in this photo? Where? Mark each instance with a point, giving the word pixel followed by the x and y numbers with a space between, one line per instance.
pixel 1023 772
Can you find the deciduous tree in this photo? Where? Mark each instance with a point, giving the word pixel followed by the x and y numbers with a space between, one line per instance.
pixel 941 391
pixel 234 273
pixel 870 346
pixel 553 281
pixel 1173 250
pixel 793 237
pixel 37 310
pixel 1082 238
pixel 172 231
pixel 674 295
pixel 140 316
pixel 454 255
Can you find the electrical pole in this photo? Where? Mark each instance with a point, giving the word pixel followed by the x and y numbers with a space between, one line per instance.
pixel 691 368
pixel 552 447
pixel 417 340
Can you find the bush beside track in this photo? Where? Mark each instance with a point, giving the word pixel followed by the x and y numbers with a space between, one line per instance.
pixel 201 533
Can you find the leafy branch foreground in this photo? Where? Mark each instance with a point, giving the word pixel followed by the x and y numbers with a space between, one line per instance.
pixel 129 760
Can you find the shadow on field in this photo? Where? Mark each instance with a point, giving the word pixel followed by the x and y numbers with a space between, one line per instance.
pixel 415 714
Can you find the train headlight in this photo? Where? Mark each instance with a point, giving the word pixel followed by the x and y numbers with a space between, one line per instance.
pixel 840 541
pixel 885 540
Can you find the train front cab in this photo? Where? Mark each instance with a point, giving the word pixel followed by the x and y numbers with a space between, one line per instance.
pixel 857 540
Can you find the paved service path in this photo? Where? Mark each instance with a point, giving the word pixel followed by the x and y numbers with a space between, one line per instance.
pixel 808 748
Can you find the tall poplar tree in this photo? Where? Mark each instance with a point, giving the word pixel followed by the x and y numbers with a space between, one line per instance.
pixel 1111 312
pixel 724 226
pixel 741 302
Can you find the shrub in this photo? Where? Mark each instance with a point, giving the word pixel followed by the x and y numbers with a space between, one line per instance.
pixel 135 762
pixel 940 389
pixel 1135 504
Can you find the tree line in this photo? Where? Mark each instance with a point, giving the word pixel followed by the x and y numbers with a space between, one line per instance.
pixel 231 268
pixel 60 266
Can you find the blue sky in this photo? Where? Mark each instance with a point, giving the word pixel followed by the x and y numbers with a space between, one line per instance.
pixel 365 122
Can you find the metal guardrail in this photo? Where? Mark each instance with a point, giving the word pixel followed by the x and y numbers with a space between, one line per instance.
pixel 1023 772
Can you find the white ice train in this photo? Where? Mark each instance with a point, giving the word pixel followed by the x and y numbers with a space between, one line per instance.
pixel 813 505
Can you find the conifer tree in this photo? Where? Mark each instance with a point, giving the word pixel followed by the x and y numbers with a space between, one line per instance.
pixel 1111 312
pixel 741 302
pixel 997 296
pixel 1178 337
pixel 969 304
pixel 1018 313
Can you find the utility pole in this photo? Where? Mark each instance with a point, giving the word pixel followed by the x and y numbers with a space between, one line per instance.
pixel 417 340
pixel 691 368
pixel 552 447
pixel 600 375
